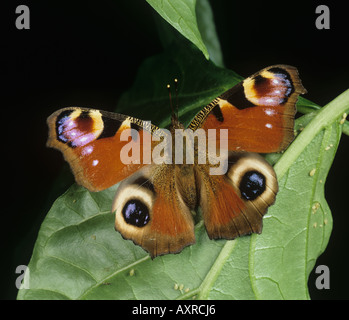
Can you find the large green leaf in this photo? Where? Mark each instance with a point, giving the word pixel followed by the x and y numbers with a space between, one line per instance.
pixel 181 14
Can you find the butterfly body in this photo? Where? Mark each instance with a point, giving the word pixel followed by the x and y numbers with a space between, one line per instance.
pixel 154 202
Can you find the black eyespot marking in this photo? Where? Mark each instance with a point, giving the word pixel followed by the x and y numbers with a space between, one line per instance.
pixel 252 185
pixel 144 182
pixel 260 80
pixel 84 115
pixel 110 127
pixel 217 112
pixel 136 213
pixel 134 127
pixel 236 96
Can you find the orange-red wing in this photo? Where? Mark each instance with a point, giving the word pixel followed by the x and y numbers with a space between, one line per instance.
pixel 258 112
pixel 224 212
pixel 90 142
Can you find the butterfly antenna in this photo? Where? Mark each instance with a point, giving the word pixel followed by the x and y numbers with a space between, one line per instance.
pixel 170 96
pixel 176 91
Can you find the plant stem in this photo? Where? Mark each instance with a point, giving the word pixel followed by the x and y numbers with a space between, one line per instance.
pixel 328 114
pixel 215 270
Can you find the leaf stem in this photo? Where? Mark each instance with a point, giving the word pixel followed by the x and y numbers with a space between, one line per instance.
pixel 326 116
pixel 215 270
pixel 310 108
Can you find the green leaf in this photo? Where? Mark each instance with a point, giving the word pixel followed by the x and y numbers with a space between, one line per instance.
pixel 181 15
pixel 78 255
pixel 208 32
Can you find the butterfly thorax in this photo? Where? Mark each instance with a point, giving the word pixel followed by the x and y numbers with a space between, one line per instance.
pixel 184 145
pixel 175 123
pixel 184 171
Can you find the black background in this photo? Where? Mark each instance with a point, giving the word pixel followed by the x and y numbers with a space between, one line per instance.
pixel 86 53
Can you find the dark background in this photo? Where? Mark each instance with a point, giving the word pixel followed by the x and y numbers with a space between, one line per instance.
pixel 87 53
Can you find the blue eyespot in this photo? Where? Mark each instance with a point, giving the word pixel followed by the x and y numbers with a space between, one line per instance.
pixel 252 185
pixel 136 213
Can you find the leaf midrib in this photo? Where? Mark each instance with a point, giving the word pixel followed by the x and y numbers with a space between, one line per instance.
pixel 104 280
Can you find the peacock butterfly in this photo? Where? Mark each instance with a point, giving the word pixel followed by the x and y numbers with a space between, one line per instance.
pixel 153 205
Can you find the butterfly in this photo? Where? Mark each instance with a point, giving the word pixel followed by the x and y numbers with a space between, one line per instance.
pixel 154 202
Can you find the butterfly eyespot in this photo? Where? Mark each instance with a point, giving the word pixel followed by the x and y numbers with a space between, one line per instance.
pixel 136 213
pixel 252 185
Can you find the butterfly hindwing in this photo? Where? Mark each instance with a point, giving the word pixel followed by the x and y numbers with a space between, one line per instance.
pixel 150 210
pixel 233 204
